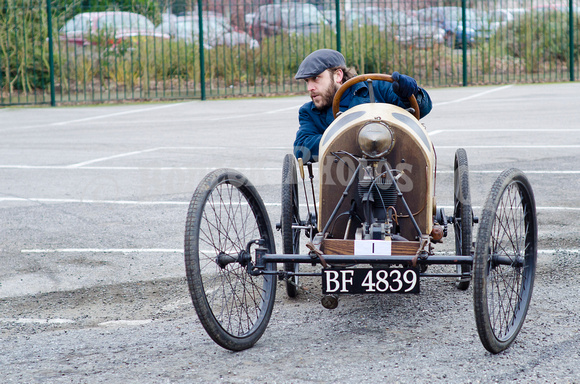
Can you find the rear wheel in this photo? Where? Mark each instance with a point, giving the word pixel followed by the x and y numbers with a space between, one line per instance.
pixel 226 214
pixel 505 260
pixel 290 217
pixel 463 215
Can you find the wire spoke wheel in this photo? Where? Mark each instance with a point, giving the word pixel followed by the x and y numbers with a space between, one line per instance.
pixel 463 215
pixel 505 260
pixel 226 214
pixel 290 217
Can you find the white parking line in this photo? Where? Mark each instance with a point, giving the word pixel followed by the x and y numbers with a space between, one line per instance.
pixel 572 209
pixel 77 165
pixel 498 171
pixel 182 203
pixel 101 168
pixel 236 117
pixel 140 152
pixel 82 164
pixel 473 96
pixel 576 209
pixel 122 113
pixel 550 130
pixel 82 201
pixel 574 146
pixel 98 117
pixel 115 202
pixel 438 131
pixel 245 169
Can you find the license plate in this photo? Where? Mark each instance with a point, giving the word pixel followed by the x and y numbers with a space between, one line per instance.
pixel 370 280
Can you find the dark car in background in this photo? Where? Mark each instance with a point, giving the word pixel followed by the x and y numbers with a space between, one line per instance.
pixel 399 25
pixel 290 18
pixel 477 27
pixel 420 35
pixel 407 29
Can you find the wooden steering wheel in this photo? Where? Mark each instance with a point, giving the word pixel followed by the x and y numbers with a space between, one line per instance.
pixel 370 76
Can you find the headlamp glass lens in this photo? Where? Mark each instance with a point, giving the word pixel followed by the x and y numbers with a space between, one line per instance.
pixel 375 139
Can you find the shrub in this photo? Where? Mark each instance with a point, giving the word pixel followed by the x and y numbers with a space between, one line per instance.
pixel 23 48
pixel 541 37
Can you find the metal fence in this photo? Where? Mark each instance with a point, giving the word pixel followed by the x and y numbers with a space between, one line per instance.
pixel 72 51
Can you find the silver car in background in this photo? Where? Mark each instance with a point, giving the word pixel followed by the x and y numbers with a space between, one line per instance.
pixel 217 30
pixel 108 28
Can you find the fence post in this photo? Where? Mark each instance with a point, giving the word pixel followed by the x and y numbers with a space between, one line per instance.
pixel 337 6
pixel 571 38
pixel 50 52
pixel 201 53
pixel 464 42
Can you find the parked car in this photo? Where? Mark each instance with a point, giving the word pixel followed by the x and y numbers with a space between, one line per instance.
pixel 249 18
pixel 551 8
pixel 500 18
pixel 504 17
pixel 451 20
pixel 291 18
pixel 351 17
pixel 356 19
pixel 390 17
pixel 420 35
pixel 404 28
pixel 217 30
pixel 108 28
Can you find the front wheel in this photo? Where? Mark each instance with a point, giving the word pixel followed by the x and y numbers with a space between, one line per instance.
pixel 226 214
pixel 505 260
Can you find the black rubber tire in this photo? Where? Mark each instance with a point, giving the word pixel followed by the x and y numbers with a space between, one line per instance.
pixel 463 215
pixel 225 214
pixel 508 231
pixel 290 216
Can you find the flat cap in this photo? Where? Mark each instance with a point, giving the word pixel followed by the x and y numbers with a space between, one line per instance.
pixel 318 62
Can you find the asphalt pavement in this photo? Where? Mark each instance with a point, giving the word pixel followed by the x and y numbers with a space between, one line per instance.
pixel 93 203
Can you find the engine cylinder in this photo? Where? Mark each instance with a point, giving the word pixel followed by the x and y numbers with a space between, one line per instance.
pixel 383 191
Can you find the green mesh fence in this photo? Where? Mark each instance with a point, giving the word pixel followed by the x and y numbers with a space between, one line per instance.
pixel 86 51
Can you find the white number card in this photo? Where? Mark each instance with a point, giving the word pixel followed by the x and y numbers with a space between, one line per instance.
pixel 372 247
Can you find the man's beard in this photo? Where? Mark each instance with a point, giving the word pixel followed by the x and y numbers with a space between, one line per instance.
pixel 326 97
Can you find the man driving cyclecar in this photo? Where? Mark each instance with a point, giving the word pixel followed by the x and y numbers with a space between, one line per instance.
pixel 325 71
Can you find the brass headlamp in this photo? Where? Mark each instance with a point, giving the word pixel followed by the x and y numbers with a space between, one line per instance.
pixel 376 139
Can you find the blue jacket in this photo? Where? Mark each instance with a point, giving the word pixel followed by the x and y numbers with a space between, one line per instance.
pixel 314 122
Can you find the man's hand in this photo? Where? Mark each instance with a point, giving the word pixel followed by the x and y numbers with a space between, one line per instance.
pixel 404 86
